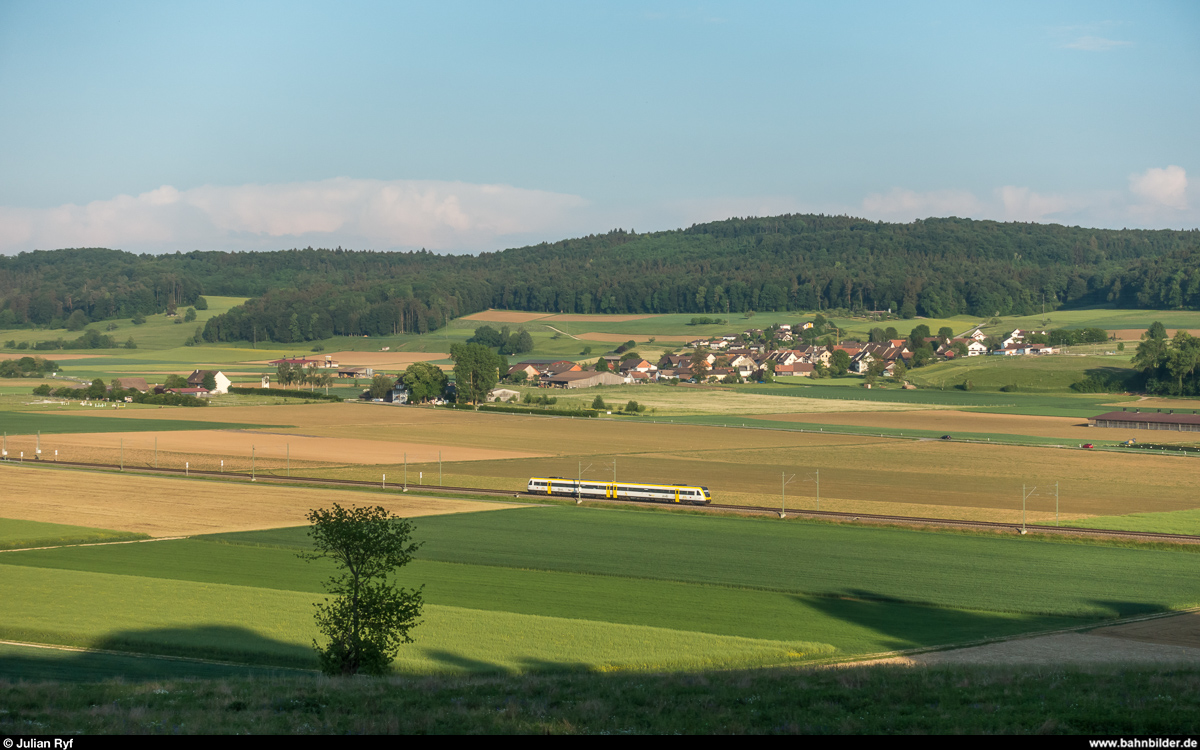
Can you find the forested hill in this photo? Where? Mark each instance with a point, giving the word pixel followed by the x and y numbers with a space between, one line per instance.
pixel 933 267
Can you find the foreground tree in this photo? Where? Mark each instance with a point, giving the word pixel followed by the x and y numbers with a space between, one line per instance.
pixel 370 617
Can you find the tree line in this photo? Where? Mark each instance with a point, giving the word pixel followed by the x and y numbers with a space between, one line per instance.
pixel 935 267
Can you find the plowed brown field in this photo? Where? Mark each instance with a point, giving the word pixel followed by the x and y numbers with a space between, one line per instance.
pixel 161 506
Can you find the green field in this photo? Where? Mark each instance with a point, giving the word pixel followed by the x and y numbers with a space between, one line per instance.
pixel 158 332
pixel 17 534
pixel 1028 374
pixel 1173 522
pixel 555 588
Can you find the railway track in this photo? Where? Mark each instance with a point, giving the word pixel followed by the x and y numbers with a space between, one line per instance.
pixel 1145 536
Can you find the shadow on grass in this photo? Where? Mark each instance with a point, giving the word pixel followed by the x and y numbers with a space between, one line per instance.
pixel 206 651
pixel 904 625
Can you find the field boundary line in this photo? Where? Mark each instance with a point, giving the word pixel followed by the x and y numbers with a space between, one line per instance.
pixel 98 544
pixel 138 655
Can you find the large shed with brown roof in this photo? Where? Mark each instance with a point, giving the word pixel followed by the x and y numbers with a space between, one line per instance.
pixel 1180 421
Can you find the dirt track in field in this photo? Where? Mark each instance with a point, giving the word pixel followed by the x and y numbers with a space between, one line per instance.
pixel 161 506
pixel 1068 428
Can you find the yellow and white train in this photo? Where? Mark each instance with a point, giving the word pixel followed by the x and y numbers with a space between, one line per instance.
pixel 664 493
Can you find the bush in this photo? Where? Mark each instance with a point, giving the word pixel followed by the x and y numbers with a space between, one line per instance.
pixel 1011 388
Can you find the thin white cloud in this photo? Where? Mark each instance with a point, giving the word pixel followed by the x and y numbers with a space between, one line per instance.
pixel 910 204
pixel 1023 204
pixel 1095 44
pixel 380 214
pixel 1161 187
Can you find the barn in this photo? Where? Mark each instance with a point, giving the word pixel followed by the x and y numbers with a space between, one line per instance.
pixel 1179 420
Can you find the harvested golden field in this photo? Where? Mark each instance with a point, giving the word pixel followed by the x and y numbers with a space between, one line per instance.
pixel 163 506
pixel 206 447
pixel 867 474
pixel 504 316
pixel 741 466
pixel 950 421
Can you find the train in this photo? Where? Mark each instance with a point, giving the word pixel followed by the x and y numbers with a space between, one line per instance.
pixel 692 494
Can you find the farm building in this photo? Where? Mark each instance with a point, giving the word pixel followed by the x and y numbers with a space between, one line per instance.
pixel 1148 420
pixel 196 379
pixel 582 379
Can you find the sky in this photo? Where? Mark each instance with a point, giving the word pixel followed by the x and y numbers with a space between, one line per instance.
pixel 476 126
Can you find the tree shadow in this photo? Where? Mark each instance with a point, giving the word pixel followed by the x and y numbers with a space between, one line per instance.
pixel 521 664
pixel 906 625
pixel 203 651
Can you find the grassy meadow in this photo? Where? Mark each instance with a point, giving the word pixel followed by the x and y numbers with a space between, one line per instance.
pixel 18 534
pixel 575 589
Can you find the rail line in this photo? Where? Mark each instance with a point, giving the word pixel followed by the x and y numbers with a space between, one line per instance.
pixel 1146 536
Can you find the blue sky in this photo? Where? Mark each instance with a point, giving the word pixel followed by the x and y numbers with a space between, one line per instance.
pixel 465 127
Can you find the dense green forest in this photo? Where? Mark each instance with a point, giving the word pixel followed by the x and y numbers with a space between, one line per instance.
pixel 935 267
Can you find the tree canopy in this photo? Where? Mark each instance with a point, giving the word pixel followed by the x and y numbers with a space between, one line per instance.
pixel 424 381
pixel 369 618
pixel 476 371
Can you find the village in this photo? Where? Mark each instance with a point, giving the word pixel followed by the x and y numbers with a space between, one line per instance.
pixel 779 352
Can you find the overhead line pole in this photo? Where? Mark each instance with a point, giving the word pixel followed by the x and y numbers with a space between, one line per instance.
pixel 1024 497
pixel 784 479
